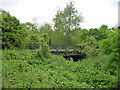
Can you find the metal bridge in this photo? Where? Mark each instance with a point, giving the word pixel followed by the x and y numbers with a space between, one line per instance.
pixel 65 50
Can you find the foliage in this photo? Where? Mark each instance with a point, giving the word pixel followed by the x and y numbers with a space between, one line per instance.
pixel 41 69
pixel 110 46
pixel 33 39
pixel 0 69
pixel 67 20
pixel 102 32
pixel 23 70
pixel 32 34
pixel 57 38
pixel 90 46
pixel 13 35
pixel 47 32
pixel 99 34
pixel 45 28
pixel 30 28
pixel 43 52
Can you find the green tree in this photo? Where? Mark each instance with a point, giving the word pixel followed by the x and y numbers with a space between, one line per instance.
pixel 13 34
pixel 0 29
pixel 67 20
pixel 57 38
pixel 103 27
pixel 46 28
pixel 90 48
pixel 95 32
pixel 102 32
pixel 30 28
pixel 110 46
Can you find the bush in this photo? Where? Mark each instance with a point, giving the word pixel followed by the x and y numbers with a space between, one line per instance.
pixel 90 47
pixel 110 46
pixel 13 34
pixel 53 72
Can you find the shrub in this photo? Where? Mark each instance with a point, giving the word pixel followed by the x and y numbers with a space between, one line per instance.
pixel 90 48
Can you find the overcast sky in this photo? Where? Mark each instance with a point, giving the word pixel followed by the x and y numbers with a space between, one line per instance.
pixel 95 12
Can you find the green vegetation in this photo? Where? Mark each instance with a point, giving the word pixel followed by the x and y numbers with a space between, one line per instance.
pixel 12 32
pixel 67 21
pixel 27 69
pixel 24 69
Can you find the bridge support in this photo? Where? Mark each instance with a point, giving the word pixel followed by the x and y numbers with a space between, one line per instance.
pixel 75 58
pixel 71 58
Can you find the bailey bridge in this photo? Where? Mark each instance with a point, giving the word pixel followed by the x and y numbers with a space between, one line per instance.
pixel 67 51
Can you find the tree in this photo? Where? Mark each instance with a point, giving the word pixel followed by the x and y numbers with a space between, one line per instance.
pixel 13 34
pixel 102 32
pixel 0 29
pixel 110 46
pixel 30 28
pixel 103 27
pixel 67 20
pixel 45 28
pixel 90 48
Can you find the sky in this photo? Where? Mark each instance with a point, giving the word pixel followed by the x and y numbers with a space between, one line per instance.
pixel 94 12
pixel 119 13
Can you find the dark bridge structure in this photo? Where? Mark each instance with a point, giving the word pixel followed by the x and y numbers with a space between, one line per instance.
pixel 65 50
pixel 71 52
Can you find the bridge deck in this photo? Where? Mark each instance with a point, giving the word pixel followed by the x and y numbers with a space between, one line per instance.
pixel 60 49
pixel 63 52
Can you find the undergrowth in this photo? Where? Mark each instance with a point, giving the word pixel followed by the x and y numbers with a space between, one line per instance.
pixel 24 69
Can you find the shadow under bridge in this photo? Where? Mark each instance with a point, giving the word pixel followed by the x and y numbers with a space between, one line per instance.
pixel 71 52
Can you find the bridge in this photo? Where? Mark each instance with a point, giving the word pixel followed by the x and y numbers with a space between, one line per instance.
pixel 65 49
pixel 60 49
pixel 68 51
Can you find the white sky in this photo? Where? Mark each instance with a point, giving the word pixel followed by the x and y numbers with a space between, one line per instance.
pixel 95 12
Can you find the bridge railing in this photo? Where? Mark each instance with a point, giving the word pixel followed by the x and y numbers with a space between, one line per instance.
pixel 61 47
pixel 57 47
pixel 33 46
pixel 66 48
